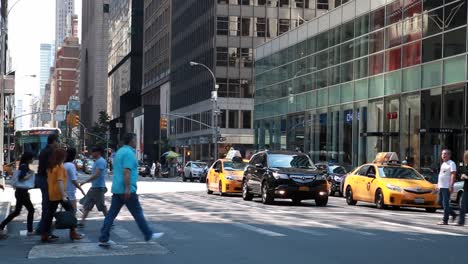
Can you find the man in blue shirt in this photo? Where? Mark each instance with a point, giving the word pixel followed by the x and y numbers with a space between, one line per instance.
pixel 95 195
pixel 124 187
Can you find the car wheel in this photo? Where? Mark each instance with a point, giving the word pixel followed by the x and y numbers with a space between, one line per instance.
pixel 349 196
pixel 459 199
pixel 267 196
pixel 208 191
pixel 220 188
pixel 321 201
pixel 431 210
pixel 379 200
pixel 296 201
pixel 246 195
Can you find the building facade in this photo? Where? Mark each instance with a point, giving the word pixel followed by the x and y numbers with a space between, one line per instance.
pixel 125 64
pixel 368 76
pixel 222 34
pixel 93 68
pixel 47 52
pixel 63 10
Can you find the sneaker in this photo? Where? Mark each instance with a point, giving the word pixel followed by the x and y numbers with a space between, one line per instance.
pixel 155 236
pixel 107 243
pixel 442 223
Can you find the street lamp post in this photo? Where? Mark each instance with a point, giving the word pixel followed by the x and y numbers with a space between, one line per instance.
pixel 2 92
pixel 214 97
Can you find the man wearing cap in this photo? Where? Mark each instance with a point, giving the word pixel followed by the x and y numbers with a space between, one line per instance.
pixel 95 195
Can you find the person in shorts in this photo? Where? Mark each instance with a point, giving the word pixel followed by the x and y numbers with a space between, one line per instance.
pixel 95 195
pixel 72 181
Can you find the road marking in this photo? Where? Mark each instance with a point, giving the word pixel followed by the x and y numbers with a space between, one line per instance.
pixel 123 233
pixel 257 229
pixel 76 250
pixel 421 229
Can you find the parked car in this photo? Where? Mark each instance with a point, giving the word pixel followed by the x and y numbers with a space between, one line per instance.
pixel 143 169
pixel 225 176
pixel 335 174
pixel 285 175
pixel 386 182
pixel 79 164
pixel 457 193
pixel 193 170
pixel 88 166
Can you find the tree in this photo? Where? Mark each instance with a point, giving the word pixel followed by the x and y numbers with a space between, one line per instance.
pixel 100 129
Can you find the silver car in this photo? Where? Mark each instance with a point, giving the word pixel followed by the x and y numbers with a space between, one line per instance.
pixel 193 170
pixel 457 193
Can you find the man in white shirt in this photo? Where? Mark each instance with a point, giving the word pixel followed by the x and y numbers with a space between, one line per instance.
pixel 447 176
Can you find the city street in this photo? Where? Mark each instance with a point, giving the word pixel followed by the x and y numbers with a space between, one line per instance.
pixel 202 228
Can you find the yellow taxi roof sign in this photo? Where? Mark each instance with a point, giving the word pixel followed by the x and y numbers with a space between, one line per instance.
pixel 386 157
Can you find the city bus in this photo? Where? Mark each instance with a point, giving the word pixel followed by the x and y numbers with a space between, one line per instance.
pixel 32 140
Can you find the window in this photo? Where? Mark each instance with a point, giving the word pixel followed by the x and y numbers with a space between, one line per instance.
pixel 412 29
pixel 376 64
pixel 393 35
pixel 334 56
pixel 432 48
pixel 433 22
pixel 347 32
pixel 322 60
pixel 377 41
pixel 347 72
pixel 222 119
pixel 261 26
pixel 455 15
pixel 222 25
pixel 412 8
pixel 334 75
pixel 361 47
pixel 246 27
pixel 347 51
pixel 431 4
pixel 284 3
pixel 234 26
pixel 455 42
pixel 361 68
pixel 233 119
pixel 246 119
pixel 284 25
pixel 393 60
pixel 361 25
pixel 246 55
pixel 334 36
pixel 322 41
pixel 233 56
pixel 272 27
pixel 221 56
pixel 412 54
pixel 377 19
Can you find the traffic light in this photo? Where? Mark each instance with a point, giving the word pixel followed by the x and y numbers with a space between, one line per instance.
pixel 163 123
pixel 73 120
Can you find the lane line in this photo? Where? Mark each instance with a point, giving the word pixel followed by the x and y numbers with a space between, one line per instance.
pixel 421 229
pixel 257 229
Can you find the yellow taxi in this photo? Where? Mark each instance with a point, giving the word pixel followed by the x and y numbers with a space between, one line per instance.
pixel 386 182
pixel 225 176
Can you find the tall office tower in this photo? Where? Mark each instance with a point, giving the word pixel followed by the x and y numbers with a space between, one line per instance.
pixel 63 8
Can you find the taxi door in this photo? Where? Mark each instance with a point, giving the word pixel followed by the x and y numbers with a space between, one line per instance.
pixel 370 184
pixel 357 181
pixel 217 170
pixel 211 178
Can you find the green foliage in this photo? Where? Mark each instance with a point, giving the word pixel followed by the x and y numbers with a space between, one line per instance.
pixel 100 128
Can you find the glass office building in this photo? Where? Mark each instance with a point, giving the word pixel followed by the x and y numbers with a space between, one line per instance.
pixel 368 76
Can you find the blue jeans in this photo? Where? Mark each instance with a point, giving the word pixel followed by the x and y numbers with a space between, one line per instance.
pixel 444 201
pixel 45 202
pixel 133 205
pixel 463 205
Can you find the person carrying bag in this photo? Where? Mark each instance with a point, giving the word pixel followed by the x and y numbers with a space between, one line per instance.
pixel 23 180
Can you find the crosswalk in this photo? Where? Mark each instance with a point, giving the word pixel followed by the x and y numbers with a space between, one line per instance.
pixel 195 217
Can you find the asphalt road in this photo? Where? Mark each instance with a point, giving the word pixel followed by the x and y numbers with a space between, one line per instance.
pixel 203 228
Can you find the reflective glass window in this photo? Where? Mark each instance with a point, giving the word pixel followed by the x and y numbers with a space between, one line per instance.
pixel 334 95
pixel 322 41
pixel 334 75
pixel 455 70
pixel 431 4
pixel 322 60
pixel 361 47
pixel 455 15
pixel 334 56
pixel 433 22
pixel 361 25
pixel 247 28
pixel 347 31
pixel 322 78
pixel 412 29
pixel 393 83
pixel 376 86
pixel 411 79
pixel 347 51
pixel 455 42
pixel 361 89
pixel 412 8
pixel 376 63
pixel 412 54
pixel 393 59
pixel 377 41
pixel 311 45
pixel 432 48
pixel 394 12
pixel 393 35
pixel 361 68
pixel 432 74
pixel 347 72
pixel 334 36
pixel 377 19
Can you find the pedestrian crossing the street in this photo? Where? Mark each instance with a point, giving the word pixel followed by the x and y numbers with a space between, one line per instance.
pixel 196 217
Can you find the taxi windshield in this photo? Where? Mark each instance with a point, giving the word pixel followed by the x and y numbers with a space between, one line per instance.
pixel 399 173
pixel 234 166
pixel 290 161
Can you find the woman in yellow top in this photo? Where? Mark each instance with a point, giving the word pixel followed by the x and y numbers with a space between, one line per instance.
pixel 57 185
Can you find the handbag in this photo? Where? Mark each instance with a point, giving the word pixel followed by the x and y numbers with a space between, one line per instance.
pixel 65 219
pixel 29 183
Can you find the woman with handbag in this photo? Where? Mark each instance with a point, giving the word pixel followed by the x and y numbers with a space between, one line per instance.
pixel 57 185
pixel 24 174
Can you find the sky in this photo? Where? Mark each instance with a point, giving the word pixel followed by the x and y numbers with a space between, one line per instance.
pixel 30 23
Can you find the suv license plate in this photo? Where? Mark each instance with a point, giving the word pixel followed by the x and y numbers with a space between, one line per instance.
pixel 419 200
pixel 304 188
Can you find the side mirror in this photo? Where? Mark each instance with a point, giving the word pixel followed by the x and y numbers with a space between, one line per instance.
pixel 259 166
pixel 371 175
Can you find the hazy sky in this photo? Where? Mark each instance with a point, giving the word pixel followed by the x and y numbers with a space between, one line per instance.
pixel 30 23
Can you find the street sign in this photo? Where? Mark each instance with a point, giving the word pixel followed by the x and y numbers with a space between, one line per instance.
pixel 221 139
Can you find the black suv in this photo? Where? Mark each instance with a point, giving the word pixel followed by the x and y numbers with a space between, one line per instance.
pixel 285 175
pixel 335 174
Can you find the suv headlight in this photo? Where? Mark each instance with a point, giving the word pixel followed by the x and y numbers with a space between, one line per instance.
pixel 229 178
pixel 320 178
pixel 393 188
pixel 280 176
